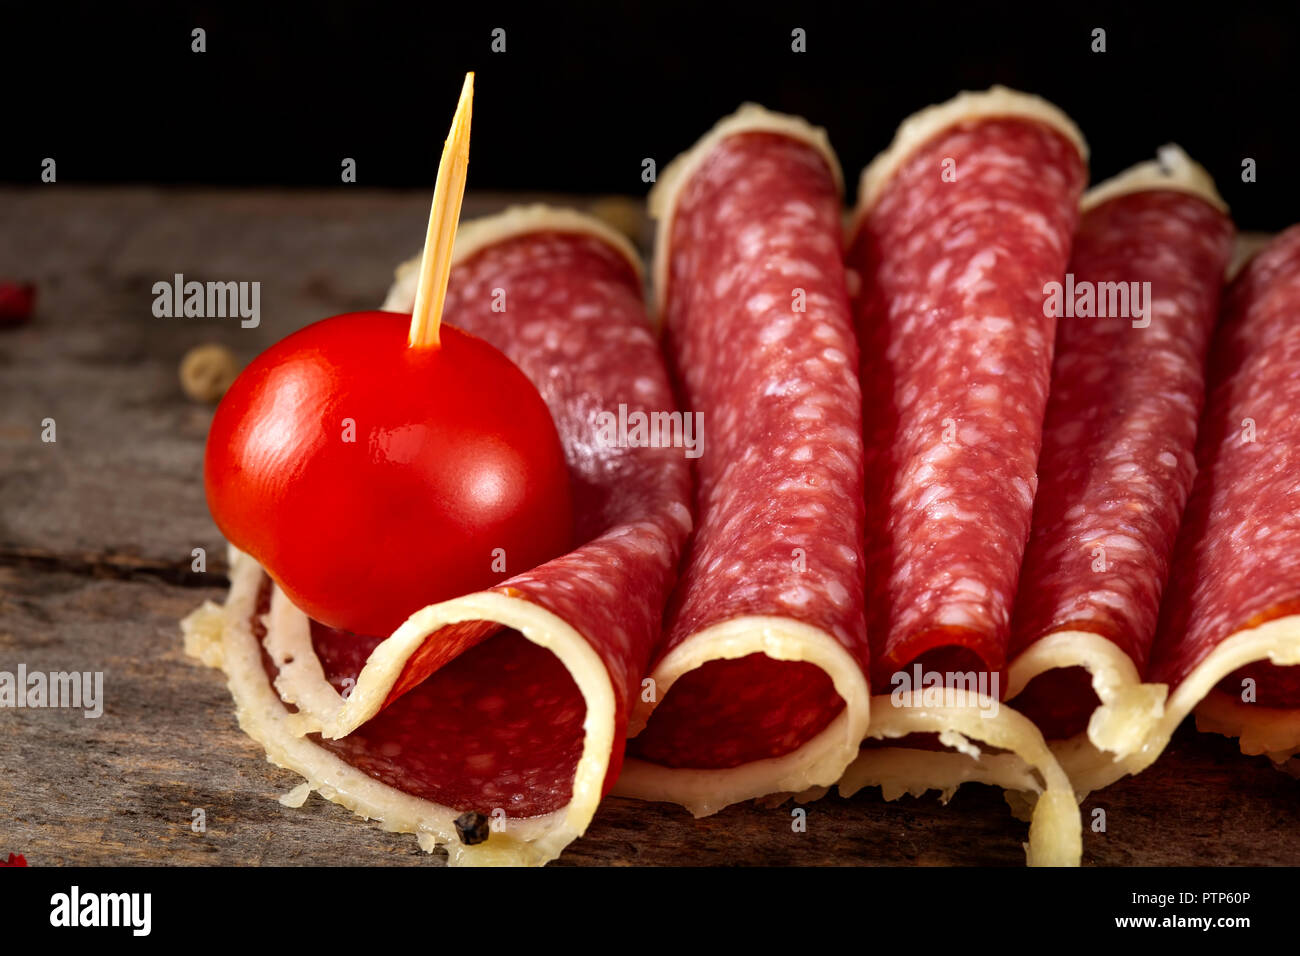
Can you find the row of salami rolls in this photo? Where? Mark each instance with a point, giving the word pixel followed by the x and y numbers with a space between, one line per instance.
pixel 1089 651
pixel 919 493
pixel 1027 461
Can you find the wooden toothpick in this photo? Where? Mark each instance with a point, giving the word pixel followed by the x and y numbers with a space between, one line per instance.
pixel 435 264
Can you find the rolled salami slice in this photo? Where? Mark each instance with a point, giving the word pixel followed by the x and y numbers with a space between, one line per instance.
pixel 760 684
pixel 960 225
pixel 1233 605
pixel 510 705
pixel 1137 308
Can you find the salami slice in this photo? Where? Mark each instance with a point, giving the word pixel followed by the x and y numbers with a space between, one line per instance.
pixel 760 684
pixel 510 703
pixel 1234 591
pixel 959 227
pixel 1138 306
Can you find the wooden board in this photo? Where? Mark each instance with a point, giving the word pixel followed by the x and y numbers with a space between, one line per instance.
pixel 96 534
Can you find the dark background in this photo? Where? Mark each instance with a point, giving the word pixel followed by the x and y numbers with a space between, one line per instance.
pixel 585 91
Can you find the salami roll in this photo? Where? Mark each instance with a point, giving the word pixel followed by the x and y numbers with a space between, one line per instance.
pixel 1233 607
pixel 960 225
pixel 511 703
pixel 760 685
pixel 1136 313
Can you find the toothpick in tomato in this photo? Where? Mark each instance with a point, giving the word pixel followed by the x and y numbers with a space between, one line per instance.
pixel 375 463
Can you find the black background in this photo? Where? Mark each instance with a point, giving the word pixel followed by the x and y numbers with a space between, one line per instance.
pixel 585 91
pixel 901 902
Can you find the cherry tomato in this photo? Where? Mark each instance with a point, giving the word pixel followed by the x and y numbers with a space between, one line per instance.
pixel 371 479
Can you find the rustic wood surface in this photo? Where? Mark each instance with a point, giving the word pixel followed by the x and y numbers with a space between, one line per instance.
pixel 96 534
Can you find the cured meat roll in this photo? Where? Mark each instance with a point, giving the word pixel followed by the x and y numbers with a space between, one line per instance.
pixel 1137 310
pixel 1228 639
pixel 960 225
pixel 760 684
pixel 511 703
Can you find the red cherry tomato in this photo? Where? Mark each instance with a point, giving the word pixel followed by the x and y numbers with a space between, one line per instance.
pixel 371 479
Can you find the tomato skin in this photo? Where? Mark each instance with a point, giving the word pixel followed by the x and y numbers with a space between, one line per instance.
pixel 453 455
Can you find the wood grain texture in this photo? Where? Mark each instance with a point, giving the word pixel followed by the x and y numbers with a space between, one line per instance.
pixel 96 532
